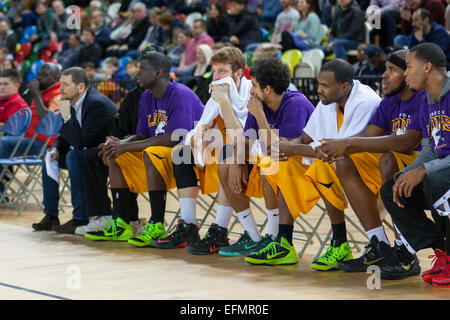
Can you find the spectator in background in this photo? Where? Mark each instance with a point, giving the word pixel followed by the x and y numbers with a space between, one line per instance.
pixel 203 57
pixel 270 10
pixel 28 14
pixel 94 6
pixel 101 30
pixel 376 66
pixel 60 20
pixel 154 35
pixel 427 31
pixel 390 17
pixel 176 53
pixel 347 29
pixel 113 71
pixel 217 26
pixel 361 57
pixel 435 7
pixel 199 36
pixel 286 20
pixel 243 26
pixel 132 70
pixel 194 6
pixel 10 99
pixel 69 57
pixel 4 55
pixel 8 64
pixel 8 38
pixel 130 34
pixel 172 28
pixel 93 76
pixel 91 51
pixel 308 32
pixel 45 25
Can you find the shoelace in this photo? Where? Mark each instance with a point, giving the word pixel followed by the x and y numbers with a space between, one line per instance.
pixel 149 228
pixel 112 226
pixel 243 239
pixel 436 256
pixel 330 253
pixel 272 247
pixel 177 233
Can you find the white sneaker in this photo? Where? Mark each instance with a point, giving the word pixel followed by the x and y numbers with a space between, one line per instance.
pixel 137 227
pixel 95 224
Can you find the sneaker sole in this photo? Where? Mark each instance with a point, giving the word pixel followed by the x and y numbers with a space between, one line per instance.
pixel 323 268
pixel 398 276
pixel 97 238
pixel 161 246
pixel 276 262
pixel 198 253
pixel 441 285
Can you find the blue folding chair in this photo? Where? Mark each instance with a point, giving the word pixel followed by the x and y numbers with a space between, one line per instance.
pixel 49 126
pixel 16 126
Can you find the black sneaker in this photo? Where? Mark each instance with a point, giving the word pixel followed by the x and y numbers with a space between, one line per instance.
pixel 404 265
pixel 378 253
pixel 184 234
pixel 216 238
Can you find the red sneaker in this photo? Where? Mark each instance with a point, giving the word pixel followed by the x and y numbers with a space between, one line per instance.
pixel 442 280
pixel 440 263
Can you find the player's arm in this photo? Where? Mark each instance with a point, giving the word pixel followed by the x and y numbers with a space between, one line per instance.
pixel 298 146
pixel 378 143
pixel 137 143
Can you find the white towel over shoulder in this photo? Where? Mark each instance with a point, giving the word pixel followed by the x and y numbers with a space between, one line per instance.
pixel 239 102
pixel 360 106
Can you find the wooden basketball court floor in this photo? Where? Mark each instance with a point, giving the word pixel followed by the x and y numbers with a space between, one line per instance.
pixel 47 265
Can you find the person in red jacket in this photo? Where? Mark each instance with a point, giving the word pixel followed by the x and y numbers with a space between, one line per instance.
pixel 10 99
pixel 10 103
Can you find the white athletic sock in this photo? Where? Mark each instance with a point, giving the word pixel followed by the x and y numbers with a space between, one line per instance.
pixel 187 210
pixel 379 233
pixel 223 216
pixel 248 223
pixel 273 221
pixel 399 242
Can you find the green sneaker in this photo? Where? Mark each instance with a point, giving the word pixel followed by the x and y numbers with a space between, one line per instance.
pixel 245 246
pixel 331 258
pixel 152 231
pixel 117 230
pixel 277 252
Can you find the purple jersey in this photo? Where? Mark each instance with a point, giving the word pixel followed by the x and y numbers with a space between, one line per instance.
pixel 179 108
pixel 435 124
pixel 395 115
pixel 290 118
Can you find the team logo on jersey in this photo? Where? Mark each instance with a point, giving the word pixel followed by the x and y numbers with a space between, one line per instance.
pixel 160 128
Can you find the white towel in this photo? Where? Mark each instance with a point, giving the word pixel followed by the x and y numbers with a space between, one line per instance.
pixel 239 102
pixel 358 110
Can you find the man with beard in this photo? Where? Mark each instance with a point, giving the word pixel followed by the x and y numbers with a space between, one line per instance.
pixel 374 156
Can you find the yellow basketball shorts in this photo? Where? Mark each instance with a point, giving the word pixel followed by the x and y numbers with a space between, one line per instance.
pixel 325 180
pixel 134 172
pixel 368 167
pixel 298 191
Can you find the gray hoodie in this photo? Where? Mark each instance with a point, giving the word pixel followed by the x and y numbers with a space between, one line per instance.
pixel 428 156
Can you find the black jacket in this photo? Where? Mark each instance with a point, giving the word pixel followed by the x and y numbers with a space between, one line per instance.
pixel 245 26
pixel 127 117
pixel 97 118
pixel 348 23
pixel 217 29
pixel 92 53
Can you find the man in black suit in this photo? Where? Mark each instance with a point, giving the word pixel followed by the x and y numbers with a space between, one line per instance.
pixel 88 118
